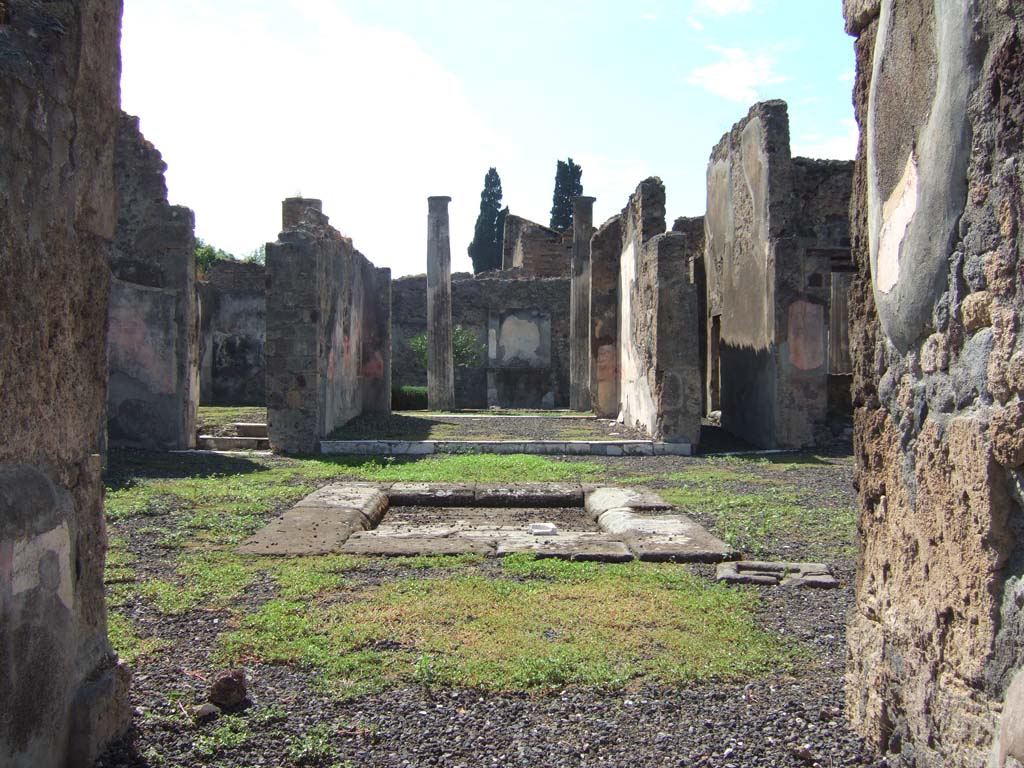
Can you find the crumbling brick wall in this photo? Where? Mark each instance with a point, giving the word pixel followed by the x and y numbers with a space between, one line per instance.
pixel 153 341
pixel 328 348
pixel 658 370
pixel 233 329
pixel 535 249
pixel 937 635
pixel 63 693
pixel 773 225
pixel 476 302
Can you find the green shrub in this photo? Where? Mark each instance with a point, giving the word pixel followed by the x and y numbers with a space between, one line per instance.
pixel 409 399
pixel 467 349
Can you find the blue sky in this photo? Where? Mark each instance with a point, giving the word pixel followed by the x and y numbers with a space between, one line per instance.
pixel 372 106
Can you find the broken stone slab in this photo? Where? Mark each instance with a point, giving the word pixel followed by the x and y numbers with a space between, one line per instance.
pixel 367 498
pixel 580 547
pixel 602 499
pixel 530 495
pixel 306 531
pixel 367 543
pixel 772 573
pixel 432 495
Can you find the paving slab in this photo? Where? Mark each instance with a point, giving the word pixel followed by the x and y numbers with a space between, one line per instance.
pixel 368 543
pixel 777 573
pixel 305 531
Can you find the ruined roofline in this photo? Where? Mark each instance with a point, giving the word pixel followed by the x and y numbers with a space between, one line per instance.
pixel 773 110
pixel 824 162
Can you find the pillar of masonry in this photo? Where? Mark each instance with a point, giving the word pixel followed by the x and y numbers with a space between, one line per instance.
pixel 440 368
pixel 579 304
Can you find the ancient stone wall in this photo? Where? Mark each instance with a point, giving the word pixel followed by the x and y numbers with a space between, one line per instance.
pixel 490 302
pixel 659 371
pixel 693 229
pixel 153 341
pixel 233 329
pixel 328 348
pixel 773 226
pixel 605 254
pixel 535 249
pixel 63 692
pixel 937 636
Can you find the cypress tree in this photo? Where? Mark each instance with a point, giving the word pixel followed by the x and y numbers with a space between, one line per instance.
pixel 499 235
pixel 568 185
pixel 484 251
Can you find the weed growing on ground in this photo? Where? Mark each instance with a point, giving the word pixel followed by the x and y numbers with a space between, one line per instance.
pixel 231 733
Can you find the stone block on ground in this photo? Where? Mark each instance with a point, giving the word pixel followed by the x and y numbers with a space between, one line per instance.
pixel 601 499
pixel 767 573
pixel 432 495
pixel 665 538
pixel 369 499
pixel 530 495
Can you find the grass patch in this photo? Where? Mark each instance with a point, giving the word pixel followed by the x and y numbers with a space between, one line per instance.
pixel 484 468
pixel 129 646
pixel 306 577
pixel 212 416
pixel 767 522
pixel 557 623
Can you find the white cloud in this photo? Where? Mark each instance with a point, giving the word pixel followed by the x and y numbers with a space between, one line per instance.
pixel 694 23
pixel 724 7
pixel 840 146
pixel 738 75
pixel 648 17
pixel 261 103
pixel 846 77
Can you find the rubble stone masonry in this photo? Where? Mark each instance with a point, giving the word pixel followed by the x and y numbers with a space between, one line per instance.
pixel 153 341
pixel 328 349
pixel 937 636
pixel 62 692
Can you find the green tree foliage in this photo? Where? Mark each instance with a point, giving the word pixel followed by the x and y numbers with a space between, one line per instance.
pixel 467 350
pixel 206 254
pixel 256 256
pixel 568 185
pixel 484 250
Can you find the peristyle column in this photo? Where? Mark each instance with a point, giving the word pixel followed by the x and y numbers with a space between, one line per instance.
pixel 579 304
pixel 440 369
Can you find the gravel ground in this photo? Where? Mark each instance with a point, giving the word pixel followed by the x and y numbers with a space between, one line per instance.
pixel 791 718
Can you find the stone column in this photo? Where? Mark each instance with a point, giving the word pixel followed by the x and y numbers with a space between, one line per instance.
pixel 579 304
pixel 440 368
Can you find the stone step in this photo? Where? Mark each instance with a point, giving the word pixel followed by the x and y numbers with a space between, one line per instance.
pixel 218 443
pixel 249 429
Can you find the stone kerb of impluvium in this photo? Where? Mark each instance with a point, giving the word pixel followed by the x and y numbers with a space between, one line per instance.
pixel 440 360
pixel 633 523
pixel 579 304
